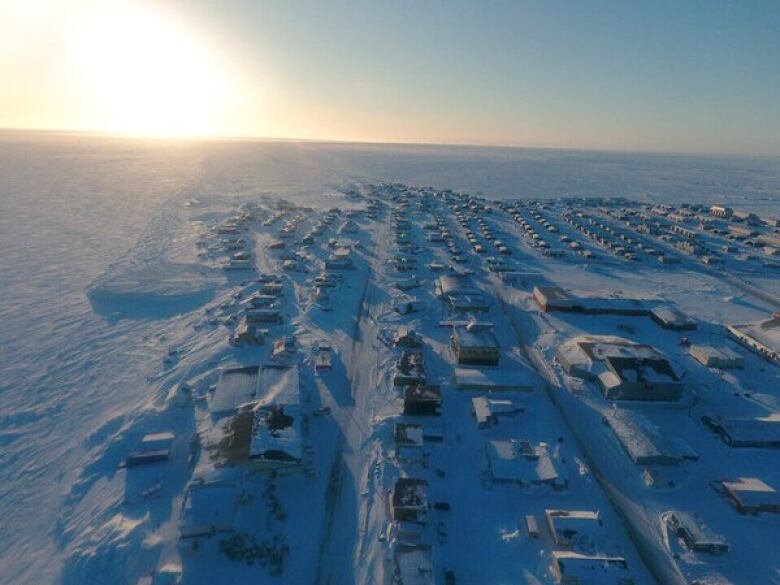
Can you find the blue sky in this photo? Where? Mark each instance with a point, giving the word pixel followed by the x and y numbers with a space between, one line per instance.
pixel 664 76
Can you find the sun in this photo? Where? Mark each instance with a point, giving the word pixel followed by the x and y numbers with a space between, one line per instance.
pixel 142 72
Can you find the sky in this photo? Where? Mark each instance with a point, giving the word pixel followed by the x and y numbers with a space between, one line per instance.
pixel 667 76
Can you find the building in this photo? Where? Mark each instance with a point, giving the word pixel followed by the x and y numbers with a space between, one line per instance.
pixel 751 495
pixel 422 400
pixel 573 568
pixel 248 333
pixel 410 368
pixel 284 347
pixel 521 462
pixel 716 357
pixel 695 534
pixel 644 443
pixel 721 211
pixel 489 380
pixel 746 432
pixel 266 315
pixel 408 441
pixel 407 337
pixel 573 529
pixel 235 387
pixel 413 566
pixel 476 344
pixel 487 410
pixel 554 298
pixel 461 294
pixel 410 500
pixel 264 432
pixel 623 369
pixel 670 318
pixel 762 337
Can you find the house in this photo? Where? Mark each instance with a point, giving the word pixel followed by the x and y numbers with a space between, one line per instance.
pixel 340 259
pixel 405 306
pixel 716 357
pixel 746 432
pixel 670 318
pixel 751 495
pixel 695 534
pixel 262 316
pixel 487 410
pixel 407 337
pixel 554 298
pixel 762 337
pixel 410 368
pixel 410 500
pixel 408 441
pixel 284 347
pixel 422 400
pixel 721 211
pixel 573 529
pixel 248 333
pixel 623 369
pixel 573 568
pixel 475 344
pixel 521 462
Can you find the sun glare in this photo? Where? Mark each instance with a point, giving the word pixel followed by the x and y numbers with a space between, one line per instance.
pixel 144 74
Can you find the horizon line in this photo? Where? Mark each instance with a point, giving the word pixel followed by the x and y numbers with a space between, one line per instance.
pixel 372 142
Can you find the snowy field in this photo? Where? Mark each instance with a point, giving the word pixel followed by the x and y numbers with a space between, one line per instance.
pixel 112 295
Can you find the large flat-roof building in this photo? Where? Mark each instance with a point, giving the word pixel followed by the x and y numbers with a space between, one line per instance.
pixel 623 369
pixel 265 433
pixel 696 535
pixel 746 432
pixel 461 294
pixel 644 443
pixel 762 337
pixel 716 357
pixel 573 528
pixel 574 568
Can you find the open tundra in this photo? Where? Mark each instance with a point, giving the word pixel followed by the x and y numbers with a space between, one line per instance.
pixel 237 362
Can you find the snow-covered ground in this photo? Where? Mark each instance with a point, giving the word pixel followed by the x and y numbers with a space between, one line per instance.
pixel 112 296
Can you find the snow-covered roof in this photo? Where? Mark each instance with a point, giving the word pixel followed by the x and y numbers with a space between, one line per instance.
pixel 476 335
pixel 414 566
pixel 520 461
pixel 409 434
pixel 587 569
pixel 671 316
pixel 457 284
pixel 236 386
pixel 276 436
pixel 520 379
pixel 643 441
pixel 767 332
pixel 580 529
